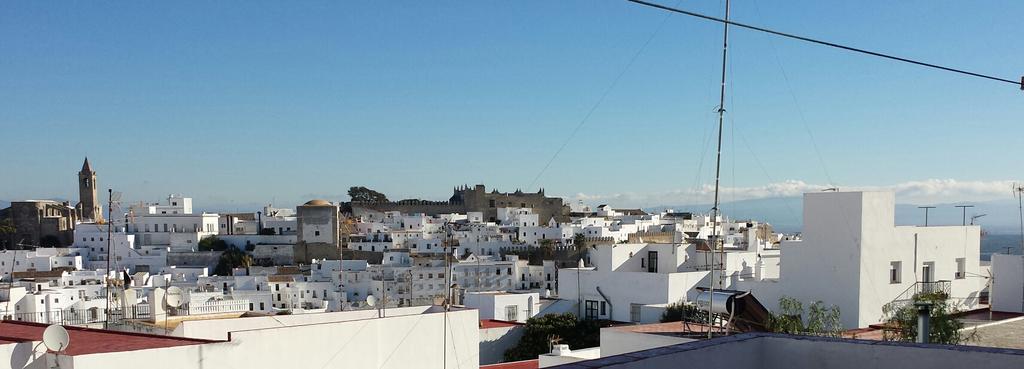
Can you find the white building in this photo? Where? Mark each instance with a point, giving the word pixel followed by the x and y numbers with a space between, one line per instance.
pixel 631 282
pixel 1007 291
pixel 854 256
pixel 172 224
pixel 851 254
pixel 91 243
pixel 504 306
pixel 418 337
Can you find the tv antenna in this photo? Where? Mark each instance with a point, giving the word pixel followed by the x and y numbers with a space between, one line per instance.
pixel 713 240
pixel 175 297
pixel 926 208
pixel 112 198
pixel 56 338
pixel 1018 191
pixel 964 208
pixel 371 301
pixel 975 217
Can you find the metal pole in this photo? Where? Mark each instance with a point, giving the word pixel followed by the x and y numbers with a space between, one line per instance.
pixel 448 295
pixel 713 241
pixel 110 203
pixel 926 213
pixel 1020 209
pixel 964 207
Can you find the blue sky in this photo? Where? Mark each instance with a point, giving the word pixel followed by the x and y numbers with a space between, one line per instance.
pixel 251 102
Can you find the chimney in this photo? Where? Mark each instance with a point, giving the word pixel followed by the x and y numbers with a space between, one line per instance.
pixel 560 350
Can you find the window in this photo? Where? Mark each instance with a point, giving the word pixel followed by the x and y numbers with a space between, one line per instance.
pixel 652 265
pixel 511 313
pixel 961 271
pixel 591 310
pixel 894 272
pixel 603 309
pixel 634 313
pixel 316 233
pixel 261 306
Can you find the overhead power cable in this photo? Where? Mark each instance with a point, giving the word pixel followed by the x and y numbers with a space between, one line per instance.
pixel 830 44
pixel 600 100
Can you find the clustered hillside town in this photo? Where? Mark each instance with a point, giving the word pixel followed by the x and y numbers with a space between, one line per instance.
pixel 375 283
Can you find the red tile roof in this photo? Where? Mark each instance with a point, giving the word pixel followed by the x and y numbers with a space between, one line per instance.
pixel 5 340
pixel 86 341
pixel 525 364
pixel 491 323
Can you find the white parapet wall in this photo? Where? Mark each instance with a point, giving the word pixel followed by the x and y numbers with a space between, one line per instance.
pixel 219 329
pixel 1007 292
pixel 432 339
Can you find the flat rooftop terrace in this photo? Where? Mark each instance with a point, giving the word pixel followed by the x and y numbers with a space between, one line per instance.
pixel 86 341
pixel 777 351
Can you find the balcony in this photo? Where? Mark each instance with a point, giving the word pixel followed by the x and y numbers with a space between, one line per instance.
pixel 931 290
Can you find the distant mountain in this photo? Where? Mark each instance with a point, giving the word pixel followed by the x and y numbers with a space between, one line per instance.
pixel 4 204
pixel 1002 216
pixel 786 213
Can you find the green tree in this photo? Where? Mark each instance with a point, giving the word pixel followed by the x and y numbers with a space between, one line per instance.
pixel 580 241
pixel 547 249
pixel 945 328
pixel 7 227
pixel 49 241
pixel 230 259
pixel 543 331
pixel 821 320
pixel 7 231
pixel 363 194
pixel 684 312
pixel 212 243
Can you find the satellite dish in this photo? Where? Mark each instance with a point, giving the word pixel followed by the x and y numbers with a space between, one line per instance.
pixel 56 338
pixel 371 300
pixel 174 296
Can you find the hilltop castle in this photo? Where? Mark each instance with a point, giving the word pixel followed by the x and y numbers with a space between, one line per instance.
pixel 476 199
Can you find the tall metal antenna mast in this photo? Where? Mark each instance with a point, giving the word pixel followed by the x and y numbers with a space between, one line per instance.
pixel 1019 192
pixel 110 204
pixel 713 241
pixel 926 208
pixel 964 208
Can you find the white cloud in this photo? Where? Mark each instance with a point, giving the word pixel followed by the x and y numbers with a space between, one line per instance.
pixel 926 191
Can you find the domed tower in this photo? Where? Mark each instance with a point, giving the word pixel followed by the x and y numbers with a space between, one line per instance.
pixel 88 205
